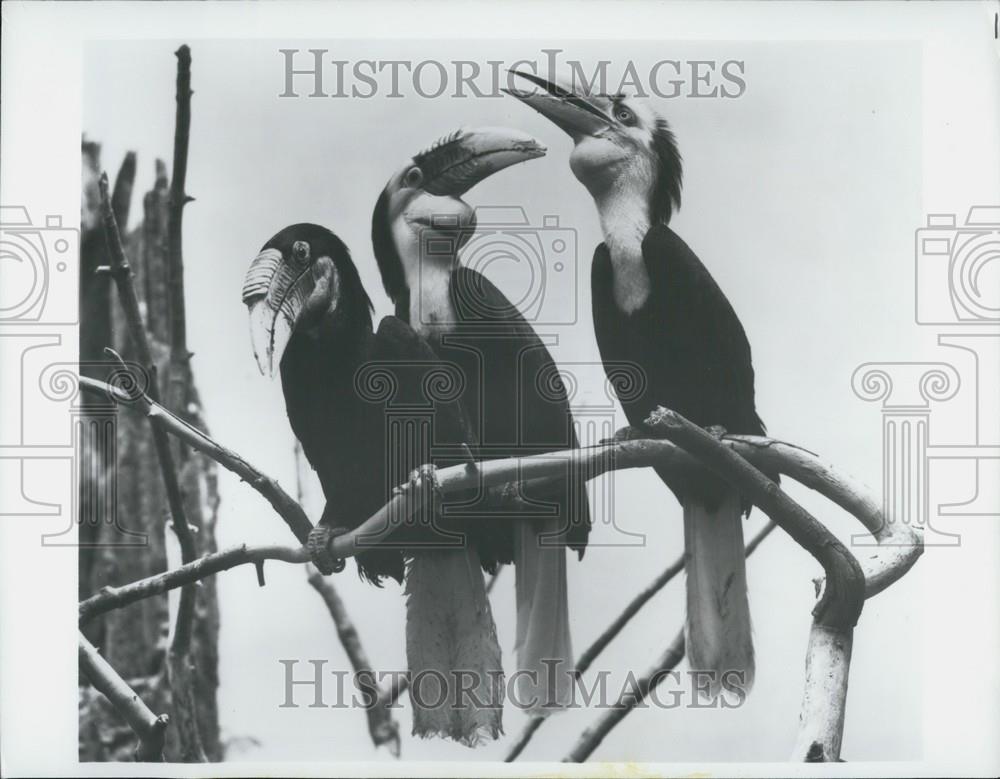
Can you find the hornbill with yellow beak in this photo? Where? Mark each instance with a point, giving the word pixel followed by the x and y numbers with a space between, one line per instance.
pixel 513 395
pixel 656 305
pixel 311 317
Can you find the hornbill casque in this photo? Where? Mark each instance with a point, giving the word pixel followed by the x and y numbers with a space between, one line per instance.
pixel 311 316
pixel 657 306
pixel 513 395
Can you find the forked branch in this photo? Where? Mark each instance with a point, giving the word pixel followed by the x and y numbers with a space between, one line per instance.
pixel 287 508
pixel 149 727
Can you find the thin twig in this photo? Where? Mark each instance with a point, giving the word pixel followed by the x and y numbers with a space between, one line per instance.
pixel 161 418
pixel 591 653
pixel 110 598
pixel 399 685
pixel 591 738
pixel 383 728
pixel 493 579
pixel 121 198
pixel 121 271
pixel 175 216
pixel 149 727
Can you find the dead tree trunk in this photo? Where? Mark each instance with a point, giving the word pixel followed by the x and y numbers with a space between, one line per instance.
pixel 136 640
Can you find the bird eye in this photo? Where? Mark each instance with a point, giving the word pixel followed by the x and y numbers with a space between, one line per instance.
pixel 414 177
pixel 624 115
pixel 300 250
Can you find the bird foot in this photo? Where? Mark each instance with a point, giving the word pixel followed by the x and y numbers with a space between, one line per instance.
pixel 422 481
pixel 718 432
pixel 320 538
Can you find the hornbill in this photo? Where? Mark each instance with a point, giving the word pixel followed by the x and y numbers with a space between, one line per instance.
pixel 310 315
pixel 657 306
pixel 513 394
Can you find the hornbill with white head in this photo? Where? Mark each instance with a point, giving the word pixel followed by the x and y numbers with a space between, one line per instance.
pixel 311 316
pixel 513 396
pixel 657 306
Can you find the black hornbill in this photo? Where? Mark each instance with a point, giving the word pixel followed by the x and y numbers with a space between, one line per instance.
pixel 657 306
pixel 513 394
pixel 310 315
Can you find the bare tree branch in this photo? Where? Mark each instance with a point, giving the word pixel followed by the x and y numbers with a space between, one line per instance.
pixel 121 271
pixel 121 198
pixel 493 579
pixel 161 418
pixel 842 599
pixel 590 462
pixel 591 738
pixel 149 727
pixel 178 199
pixel 828 656
pixel 383 728
pixel 617 625
pixel 821 723
pixel 116 597
pixel 177 660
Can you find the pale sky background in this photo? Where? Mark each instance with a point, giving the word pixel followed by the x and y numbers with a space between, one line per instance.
pixel 801 197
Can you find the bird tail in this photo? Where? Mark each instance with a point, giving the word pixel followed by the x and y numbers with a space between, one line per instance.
pixel 718 632
pixel 544 650
pixel 456 677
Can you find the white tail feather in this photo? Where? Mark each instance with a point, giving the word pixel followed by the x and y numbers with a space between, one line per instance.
pixel 718 632
pixel 544 650
pixel 451 640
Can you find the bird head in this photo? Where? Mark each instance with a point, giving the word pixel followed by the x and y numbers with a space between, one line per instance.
pixel 620 143
pixel 301 281
pixel 423 202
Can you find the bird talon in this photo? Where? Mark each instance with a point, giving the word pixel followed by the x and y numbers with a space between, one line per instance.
pixel 320 538
pixel 717 432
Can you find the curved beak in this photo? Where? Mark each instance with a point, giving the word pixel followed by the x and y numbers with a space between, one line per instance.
pixel 578 114
pixel 275 293
pixel 457 162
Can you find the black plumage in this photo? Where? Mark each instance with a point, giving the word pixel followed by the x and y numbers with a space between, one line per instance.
pixel 341 425
pixel 686 338
pixel 513 398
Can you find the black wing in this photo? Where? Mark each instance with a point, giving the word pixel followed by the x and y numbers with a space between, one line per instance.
pixel 713 349
pixel 516 398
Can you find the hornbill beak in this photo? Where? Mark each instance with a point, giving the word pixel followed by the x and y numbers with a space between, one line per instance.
pixel 578 114
pixel 274 291
pixel 459 161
